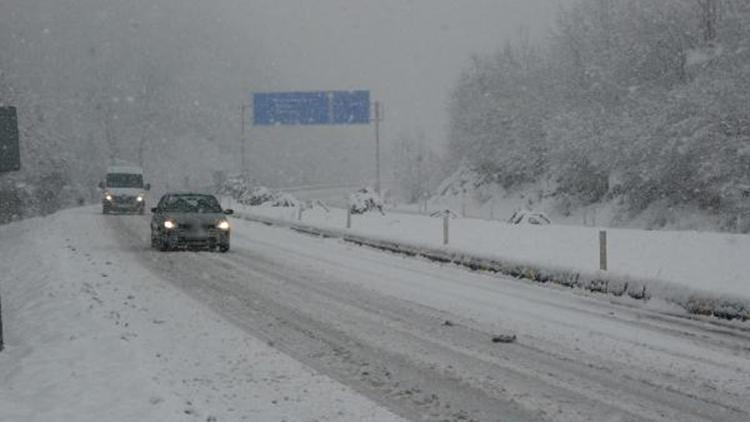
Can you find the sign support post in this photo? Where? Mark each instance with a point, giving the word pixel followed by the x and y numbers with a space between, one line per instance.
pixel 243 168
pixel 378 119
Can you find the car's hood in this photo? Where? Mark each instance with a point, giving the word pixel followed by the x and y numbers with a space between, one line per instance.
pixel 125 191
pixel 194 218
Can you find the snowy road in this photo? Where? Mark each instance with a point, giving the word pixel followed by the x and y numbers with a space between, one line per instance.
pixel 416 337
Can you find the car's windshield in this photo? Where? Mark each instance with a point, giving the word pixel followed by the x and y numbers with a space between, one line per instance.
pixel 190 204
pixel 124 180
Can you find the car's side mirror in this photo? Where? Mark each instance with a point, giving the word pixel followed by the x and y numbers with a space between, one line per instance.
pixel 229 211
pixel 101 185
pixel 147 186
pixel 154 209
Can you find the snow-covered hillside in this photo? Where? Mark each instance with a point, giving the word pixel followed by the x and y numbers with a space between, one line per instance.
pixel 633 110
pixel 468 192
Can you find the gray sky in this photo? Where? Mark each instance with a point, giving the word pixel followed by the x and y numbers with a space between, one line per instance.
pixel 409 53
pixel 211 56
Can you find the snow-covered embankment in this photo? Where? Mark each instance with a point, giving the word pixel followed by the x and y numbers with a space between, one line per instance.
pixel 704 273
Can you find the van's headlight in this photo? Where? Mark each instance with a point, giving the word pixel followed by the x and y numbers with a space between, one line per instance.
pixel 139 198
pixel 223 225
pixel 108 197
pixel 169 224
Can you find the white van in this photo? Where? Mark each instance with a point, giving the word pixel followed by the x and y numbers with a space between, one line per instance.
pixel 124 190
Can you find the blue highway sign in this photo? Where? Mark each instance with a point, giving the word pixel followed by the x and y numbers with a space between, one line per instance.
pixel 351 107
pixel 311 108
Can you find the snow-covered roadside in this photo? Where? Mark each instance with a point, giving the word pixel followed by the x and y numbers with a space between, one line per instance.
pixel 563 255
pixel 91 335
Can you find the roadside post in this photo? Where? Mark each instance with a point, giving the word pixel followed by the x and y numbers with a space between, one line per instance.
pixel 10 160
pixel 1 325
pixel 603 250
pixel 10 154
pixel 446 222
pixel 348 217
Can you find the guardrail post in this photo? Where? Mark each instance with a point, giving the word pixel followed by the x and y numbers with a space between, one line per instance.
pixel 446 222
pixel 348 217
pixel 603 250
pixel 1 325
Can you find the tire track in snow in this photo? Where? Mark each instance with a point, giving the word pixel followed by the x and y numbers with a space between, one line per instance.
pixel 328 334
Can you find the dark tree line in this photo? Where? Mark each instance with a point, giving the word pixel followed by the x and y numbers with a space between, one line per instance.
pixel 99 81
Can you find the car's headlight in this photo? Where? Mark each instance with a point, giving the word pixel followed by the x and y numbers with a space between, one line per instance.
pixel 169 224
pixel 223 225
pixel 139 198
pixel 108 197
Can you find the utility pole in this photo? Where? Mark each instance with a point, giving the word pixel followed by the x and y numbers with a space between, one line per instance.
pixel 242 140
pixel 378 119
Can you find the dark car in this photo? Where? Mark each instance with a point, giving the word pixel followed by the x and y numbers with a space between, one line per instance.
pixel 190 221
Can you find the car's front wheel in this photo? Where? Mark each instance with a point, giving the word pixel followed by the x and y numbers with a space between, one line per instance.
pixel 159 242
pixel 154 240
pixel 163 245
pixel 224 247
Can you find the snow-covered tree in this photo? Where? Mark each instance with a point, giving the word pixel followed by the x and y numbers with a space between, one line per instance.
pixel 643 99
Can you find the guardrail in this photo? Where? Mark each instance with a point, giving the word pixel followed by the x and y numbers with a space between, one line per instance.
pixel 600 282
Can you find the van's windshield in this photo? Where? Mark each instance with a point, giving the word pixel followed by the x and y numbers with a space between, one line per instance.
pixel 124 180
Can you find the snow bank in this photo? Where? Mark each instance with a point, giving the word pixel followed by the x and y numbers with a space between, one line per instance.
pixel 702 273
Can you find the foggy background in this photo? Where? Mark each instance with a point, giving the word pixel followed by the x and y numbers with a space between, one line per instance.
pixel 161 82
pixel 633 106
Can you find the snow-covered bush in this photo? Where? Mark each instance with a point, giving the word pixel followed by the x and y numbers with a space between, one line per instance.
pixel 524 216
pixel 365 200
pixel 12 200
pixel 258 195
pixel 237 187
pixel 443 213
pixel 464 180
pixel 247 192
pixel 281 199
